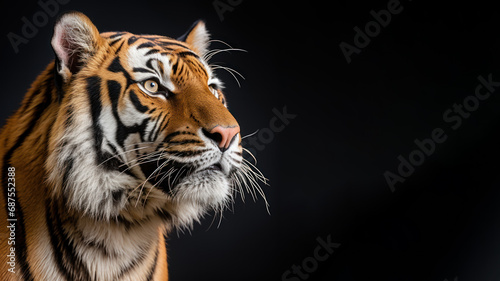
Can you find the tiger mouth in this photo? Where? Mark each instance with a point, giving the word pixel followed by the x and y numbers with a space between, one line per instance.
pixel 213 167
pixel 167 174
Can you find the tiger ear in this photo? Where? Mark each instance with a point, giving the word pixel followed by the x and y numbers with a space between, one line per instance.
pixel 74 41
pixel 197 38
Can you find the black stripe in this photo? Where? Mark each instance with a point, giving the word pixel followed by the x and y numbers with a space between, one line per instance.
pixel 165 44
pixel 68 166
pixel 155 127
pixel 114 91
pixel 165 51
pixel 181 71
pixel 187 54
pixel 174 67
pixel 103 158
pixel 196 67
pixel 54 240
pixel 116 162
pixel 114 42
pixel 144 70
pixel 68 122
pixel 194 118
pixel 7 160
pixel 63 248
pixel 132 40
pixel 94 245
pixel 58 81
pixel 149 64
pixel 172 135
pixel 119 48
pixel 162 126
pixel 29 101
pixel 94 94
pixel 152 51
pixel 114 150
pixel 116 66
pixel 117 34
pixel 181 142
pixel 122 131
pixel 146 45
pixel 165 41
pixel 186 153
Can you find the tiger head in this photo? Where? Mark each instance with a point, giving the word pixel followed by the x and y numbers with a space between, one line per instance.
pixel 143 130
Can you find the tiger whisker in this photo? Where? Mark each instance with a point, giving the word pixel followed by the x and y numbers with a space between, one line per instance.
pixel 216 66
pixel 249 175
pixel 214 52
pixel 142 160
pixel 219 41
pixel 147 180
pixel 249 135
pixel 251 154
pixel 236 180
pixel 256 171
pixel 230 71
pixel 124 152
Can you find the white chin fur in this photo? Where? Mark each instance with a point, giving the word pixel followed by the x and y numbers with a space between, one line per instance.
pixel 209 189
pixel 196 195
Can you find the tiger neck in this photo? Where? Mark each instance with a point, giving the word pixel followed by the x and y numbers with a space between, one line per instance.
pixel 109 250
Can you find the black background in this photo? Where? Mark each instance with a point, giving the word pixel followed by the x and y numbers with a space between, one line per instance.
pixel 326 168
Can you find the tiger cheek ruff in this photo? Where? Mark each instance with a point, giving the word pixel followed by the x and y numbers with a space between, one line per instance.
pixel 121 139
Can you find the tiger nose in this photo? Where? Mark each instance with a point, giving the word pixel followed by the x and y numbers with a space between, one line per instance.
pixel 223 136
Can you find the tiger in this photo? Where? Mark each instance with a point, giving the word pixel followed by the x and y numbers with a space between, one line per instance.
pixel 122 139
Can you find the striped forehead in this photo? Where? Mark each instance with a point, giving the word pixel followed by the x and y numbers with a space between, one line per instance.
pixel 158 57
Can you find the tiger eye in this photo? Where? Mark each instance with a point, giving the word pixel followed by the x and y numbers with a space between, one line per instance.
pixel 151 86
